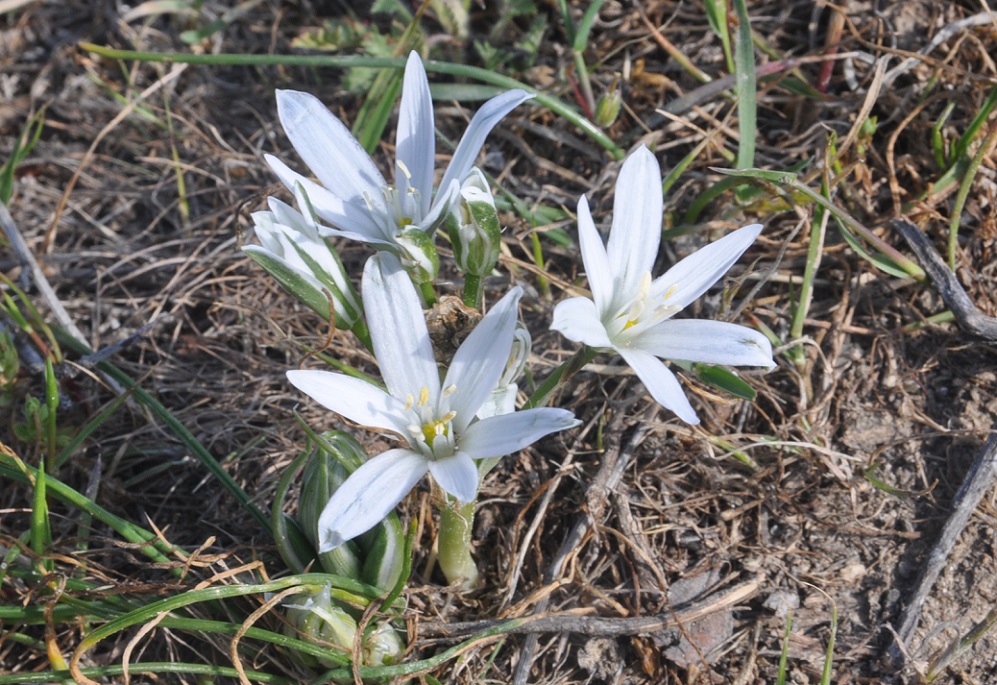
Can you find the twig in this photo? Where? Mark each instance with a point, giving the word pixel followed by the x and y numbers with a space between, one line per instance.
pixel 29 262
pixel 976 484
pixel 970 319
pixel 596 626
pixel 614 463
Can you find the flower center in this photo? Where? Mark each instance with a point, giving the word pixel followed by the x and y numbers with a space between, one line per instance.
pixel 432 432
pixel 644 310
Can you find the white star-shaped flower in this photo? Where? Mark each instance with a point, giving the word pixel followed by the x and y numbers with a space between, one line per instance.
pixel 438 421
pixel 631 313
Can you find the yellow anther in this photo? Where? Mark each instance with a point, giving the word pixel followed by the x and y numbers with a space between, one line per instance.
pixel 409 401
pixel 671 291
pixel 449 390
pixel 401 165
pixel 448 417
pixel 424 397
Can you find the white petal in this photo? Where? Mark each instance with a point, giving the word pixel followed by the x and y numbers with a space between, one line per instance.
pixel 481 359
pixel 327 146
pixel 597 269
pixel 398 329
pixel 346 215
pixel 660 382
pixel 458 475
pixel 498 436
pixel 368 495
pixel 636 232
pixel 694 275
pixel 441 205
pixel 353 399
pixel 710 342
pixel 577 319
pixel 415 139
pixel 481 125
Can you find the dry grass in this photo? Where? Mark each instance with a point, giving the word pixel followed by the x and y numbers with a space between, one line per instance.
pixel 137 220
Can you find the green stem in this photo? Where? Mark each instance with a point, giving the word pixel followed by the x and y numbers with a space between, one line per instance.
pixel 569 368
pixel 347 61
pixel 456 527
pixel 427 294
pixel 472 291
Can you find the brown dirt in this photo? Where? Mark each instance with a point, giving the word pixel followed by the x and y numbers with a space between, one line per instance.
pixel 138 220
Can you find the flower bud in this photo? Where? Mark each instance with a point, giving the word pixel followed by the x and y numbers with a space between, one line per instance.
pixel 502 399
pixel 377 557
pixel 418 255
pixel 474 228
pixel 305 265
pixel 317 618
pixel 609 105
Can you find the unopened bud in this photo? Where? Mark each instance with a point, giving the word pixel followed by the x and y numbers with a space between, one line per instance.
pixel 609 105
pixel 292 251
pixel 474 228
pixel 418 255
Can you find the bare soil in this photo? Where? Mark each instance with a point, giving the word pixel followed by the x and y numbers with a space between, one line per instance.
pixel 135 201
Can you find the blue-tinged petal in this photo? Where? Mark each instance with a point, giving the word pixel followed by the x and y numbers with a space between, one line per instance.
pixel 482 123
pixel 709 342
pixel 481 359
pixel 368 495
pixel 415 139
pixel 346 215
pixel 597 268
pixel 458 475
pixel 498 436
pixel 398 330
pixel 327 146
pixel 660 382
pixel 636 232
pixel 577 319
pixel 354 399
pixel 693 276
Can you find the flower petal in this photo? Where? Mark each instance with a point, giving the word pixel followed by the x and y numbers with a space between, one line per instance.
pixel 368 495
pixel 458 475
pixel 398 329
pixel 327 146
pixel 594 257
pixel 660 382
pixel 445 197
pixel 693 276
pixel 498 436
pixel 577 319
pixel 346 215
pixel 480 360
pixel 415 139
pixel 352 398
pixel 482 123
pixel 710 342
pixel 636 232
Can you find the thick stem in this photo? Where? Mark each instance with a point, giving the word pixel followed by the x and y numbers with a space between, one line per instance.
pixel 427 294
pixel 454 542
pixel 472 291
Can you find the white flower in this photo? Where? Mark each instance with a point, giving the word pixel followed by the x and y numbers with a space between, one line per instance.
pixel 436 420
pixel 353 198
pixel 631 313
pixel 292 250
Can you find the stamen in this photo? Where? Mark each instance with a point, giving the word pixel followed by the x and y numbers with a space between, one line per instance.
pixel 449 390
pixel 409 401
pixel 369 200
pixel 448 417
pixel 401 165
pixel 671 291
pixel 424 397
